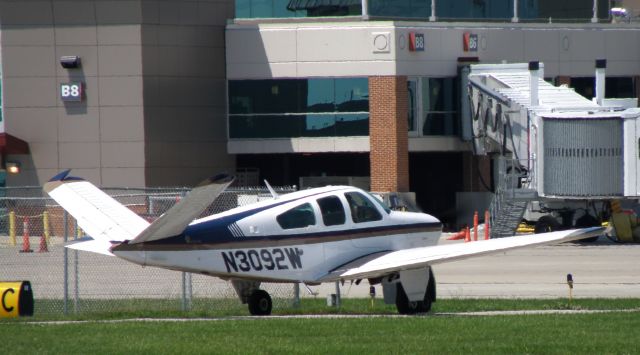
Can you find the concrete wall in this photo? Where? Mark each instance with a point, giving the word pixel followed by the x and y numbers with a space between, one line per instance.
pixel 101 138
pixel 381 48
pixel 185 121
pixel 153 71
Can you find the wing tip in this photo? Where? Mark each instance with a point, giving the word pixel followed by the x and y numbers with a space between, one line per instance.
pixel 219 179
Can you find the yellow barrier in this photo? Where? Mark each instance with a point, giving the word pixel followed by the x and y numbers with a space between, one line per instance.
pixel 12 227
pixel 45 222
pixel 16 299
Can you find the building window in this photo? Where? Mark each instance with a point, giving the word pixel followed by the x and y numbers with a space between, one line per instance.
pixel 433 106
pixel 290 108
pixel 297 8
pixel 615 87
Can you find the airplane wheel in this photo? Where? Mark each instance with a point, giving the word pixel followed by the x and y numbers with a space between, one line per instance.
pixel 260 303
pixel 588 221
pixel 546 224
pixel 405 306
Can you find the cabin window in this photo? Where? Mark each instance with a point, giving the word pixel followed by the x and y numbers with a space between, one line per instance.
pixel 362 209
pixel 297 217
pixel 332 210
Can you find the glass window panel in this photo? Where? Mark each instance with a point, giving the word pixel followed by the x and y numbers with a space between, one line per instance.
pixel 320 96
pixel 354 124
pixel 362 210
pixel 265 126
pixel 243 8
pixel 440 124
pixel 297 217
pixel 352 95
pixel 400 8
pixel 332 211
pixel 280 9
pixel 264 96
pixel 261 8
pixel 412 109
pixel 319 126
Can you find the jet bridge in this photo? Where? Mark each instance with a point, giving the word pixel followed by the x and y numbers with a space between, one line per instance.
pixel 555 152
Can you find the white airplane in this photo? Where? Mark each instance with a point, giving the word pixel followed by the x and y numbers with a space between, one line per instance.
pixel 333 233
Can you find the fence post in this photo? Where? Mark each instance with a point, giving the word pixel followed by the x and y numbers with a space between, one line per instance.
pixel 296 295
pixel 338 301
pixel 65 225
pixel 187 291
pixel 76 293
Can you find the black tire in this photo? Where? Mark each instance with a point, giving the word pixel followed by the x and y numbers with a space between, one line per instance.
pixel 588 221
pixel 547 224
pixel 260 303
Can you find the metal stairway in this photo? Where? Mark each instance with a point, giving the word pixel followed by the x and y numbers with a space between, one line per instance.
pixel 509 200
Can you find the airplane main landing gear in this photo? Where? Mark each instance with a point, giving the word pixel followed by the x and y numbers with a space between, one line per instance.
pixel 260 303
pixel 405 306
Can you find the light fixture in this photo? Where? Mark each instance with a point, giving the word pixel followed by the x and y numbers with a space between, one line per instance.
pixel 70 61
pixel 13 167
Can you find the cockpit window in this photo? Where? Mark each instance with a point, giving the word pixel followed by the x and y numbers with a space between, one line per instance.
pixel 362 209
pixel 332 210
pixel 297 217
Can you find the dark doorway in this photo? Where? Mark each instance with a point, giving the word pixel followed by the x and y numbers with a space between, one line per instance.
pixel 435 178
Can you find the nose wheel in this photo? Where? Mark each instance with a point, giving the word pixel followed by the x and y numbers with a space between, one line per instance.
pixel 260 303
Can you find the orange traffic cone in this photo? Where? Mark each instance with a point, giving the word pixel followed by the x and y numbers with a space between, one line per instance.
pixel 26 245
pixel 467 235
pixel 43 245
pixel 458 236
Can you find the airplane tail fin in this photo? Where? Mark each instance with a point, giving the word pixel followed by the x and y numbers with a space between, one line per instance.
pixel 98 214
pixel 108 222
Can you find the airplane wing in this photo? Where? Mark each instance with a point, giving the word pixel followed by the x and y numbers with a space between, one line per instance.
pixel 174 221
pixel 415 258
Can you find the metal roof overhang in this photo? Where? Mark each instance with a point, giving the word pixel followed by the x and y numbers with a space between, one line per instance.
pixel 12 145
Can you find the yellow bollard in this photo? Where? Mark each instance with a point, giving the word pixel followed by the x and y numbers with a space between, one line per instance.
pixel 45 222
pixel 12 227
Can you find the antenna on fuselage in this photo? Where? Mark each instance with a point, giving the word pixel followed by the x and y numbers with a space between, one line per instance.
pixel 271 190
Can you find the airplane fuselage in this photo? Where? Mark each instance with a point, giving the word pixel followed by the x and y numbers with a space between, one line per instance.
pixel 301 237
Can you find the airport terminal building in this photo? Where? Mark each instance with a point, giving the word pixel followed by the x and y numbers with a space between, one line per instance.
pixel 157 93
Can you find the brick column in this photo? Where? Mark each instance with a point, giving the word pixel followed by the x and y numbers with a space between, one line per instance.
pixel 388 133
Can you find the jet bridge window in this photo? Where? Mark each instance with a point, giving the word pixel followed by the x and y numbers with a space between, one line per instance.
pixel 362 209
pixel 332 210
pixel 297 217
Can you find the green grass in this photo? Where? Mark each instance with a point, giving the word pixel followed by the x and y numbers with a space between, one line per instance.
pixel 209 308
pixel 542 334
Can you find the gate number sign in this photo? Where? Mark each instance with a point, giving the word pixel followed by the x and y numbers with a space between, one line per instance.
pixel 71 91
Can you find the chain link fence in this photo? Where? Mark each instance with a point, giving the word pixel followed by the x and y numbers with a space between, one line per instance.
pixel 34 230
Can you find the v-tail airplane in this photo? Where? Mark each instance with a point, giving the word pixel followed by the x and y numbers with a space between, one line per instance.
pixel 333 233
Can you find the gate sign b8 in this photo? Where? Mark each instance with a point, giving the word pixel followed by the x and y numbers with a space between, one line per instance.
pixel 71 91
pixel 416 42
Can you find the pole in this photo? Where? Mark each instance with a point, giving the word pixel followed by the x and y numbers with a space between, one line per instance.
pixel 296 295
pixel 515 12
pixel 475 226
pixel 338 294
pixel 65 222
pixel 432 18
pixel 76 293
pixel 45 222
pixel 594 19
pixel 12 227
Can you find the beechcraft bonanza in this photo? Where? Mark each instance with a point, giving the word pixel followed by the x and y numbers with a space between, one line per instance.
pixel 333 233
